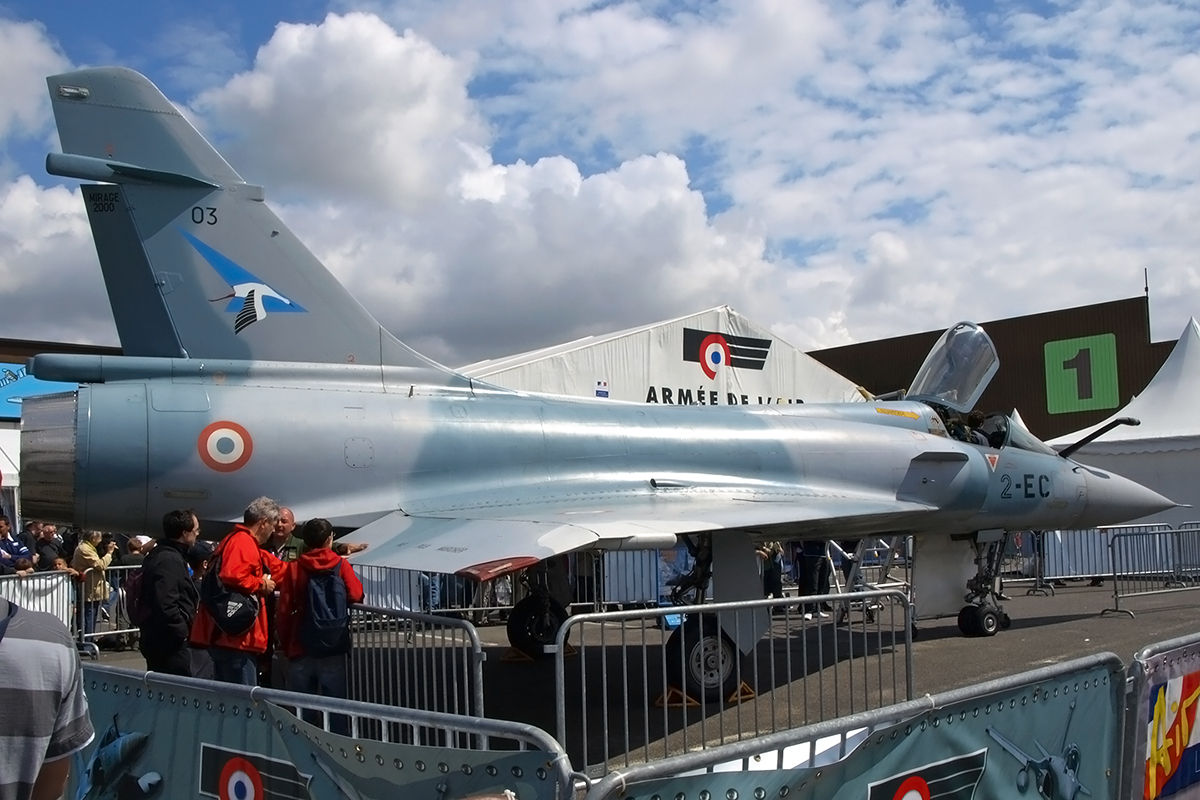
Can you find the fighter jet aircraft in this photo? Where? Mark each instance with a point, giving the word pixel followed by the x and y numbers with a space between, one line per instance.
pixel 108 773
pixel 1056 777
pixel 324 409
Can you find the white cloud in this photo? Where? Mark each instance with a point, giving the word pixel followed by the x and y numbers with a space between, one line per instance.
pixel 349 107
pixel 48 262
pixel 200 53
pixel 26 57
pixel 880 168
pixel 387 175
pixel 1027 161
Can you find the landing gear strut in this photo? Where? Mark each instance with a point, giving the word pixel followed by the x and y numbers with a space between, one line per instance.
pixel 984 616
pixel 691 588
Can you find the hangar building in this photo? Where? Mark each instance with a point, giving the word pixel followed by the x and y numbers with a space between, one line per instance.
pixel 714 357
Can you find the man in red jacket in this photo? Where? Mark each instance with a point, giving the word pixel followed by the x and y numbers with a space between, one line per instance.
pixel 246 568
pixel 323 672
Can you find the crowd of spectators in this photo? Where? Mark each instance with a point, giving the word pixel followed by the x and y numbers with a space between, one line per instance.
pixel 162 577
pixel 266 557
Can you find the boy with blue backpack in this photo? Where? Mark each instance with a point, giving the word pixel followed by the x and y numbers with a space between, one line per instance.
pixel 314 614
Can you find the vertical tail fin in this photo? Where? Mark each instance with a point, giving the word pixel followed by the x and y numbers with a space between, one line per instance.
pixel 195 263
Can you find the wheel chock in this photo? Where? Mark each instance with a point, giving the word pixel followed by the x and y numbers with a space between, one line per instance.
pixel 742 694
pixel 675 698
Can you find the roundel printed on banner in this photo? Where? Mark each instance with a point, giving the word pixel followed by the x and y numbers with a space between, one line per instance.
pixel 913 788
pixel 714 353
pixel 225 446
pixel 241 781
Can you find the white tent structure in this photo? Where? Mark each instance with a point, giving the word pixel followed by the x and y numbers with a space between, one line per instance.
pixel 10 457
pixel 10 472
pixel 1163 452
pixel 714 357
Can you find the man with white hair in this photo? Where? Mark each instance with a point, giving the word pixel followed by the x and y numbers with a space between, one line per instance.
pixel 242 566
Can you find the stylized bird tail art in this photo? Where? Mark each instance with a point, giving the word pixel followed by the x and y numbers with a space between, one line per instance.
pixel 251 312
pixel 253 308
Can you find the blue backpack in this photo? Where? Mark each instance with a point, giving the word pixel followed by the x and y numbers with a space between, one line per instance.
pixel 325 627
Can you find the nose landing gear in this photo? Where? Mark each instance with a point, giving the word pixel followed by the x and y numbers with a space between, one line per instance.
pixel 984 616
pixel 982 620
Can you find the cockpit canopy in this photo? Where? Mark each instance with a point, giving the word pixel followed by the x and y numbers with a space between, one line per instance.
pixel 957 370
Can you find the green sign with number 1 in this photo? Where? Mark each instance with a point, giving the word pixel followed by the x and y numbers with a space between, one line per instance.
pixel 1081 374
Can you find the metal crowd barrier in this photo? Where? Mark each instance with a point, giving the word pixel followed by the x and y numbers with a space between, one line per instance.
pixel 111 621
pixel 1087 727
pixel 52 592
pixel 938 745
pixel 634 697
pixel 1084 553
pixel 1153 562
pixel 431 592
pixel 414 660
pixel 227 740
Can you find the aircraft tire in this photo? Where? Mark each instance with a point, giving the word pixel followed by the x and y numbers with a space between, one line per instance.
pixel 702 660
pixel 968 622
pixel 534 623
pixel 987 620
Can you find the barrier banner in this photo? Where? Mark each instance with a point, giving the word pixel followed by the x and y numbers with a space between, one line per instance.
pixel 1167 744
pixel 170 742
pixel 1057 739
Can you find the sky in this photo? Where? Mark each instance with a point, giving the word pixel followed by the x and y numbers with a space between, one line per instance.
pixel 489 178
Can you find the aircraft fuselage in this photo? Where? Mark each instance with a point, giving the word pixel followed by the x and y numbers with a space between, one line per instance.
pixel 359 443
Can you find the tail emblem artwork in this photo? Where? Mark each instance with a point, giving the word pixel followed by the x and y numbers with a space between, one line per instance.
pixel 715 350
pixel 257 298
pixel 225 446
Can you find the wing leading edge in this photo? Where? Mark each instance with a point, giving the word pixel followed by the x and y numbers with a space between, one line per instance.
pixel 486 543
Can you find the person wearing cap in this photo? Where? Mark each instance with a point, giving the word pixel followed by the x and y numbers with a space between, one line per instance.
pixel 169 596
pixel 199 556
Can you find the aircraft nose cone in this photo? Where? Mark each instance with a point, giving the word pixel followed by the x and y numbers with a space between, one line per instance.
pixel 132 745
pixel 1112 499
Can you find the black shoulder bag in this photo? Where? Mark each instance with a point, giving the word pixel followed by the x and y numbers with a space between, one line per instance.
pixel 233 612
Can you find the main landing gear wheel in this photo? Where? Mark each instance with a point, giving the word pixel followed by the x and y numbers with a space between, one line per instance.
pixel 534 623
pixel 981 620
pixel 702 660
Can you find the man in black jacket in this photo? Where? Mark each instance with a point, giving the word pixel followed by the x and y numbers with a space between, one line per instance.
pixel 169 596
